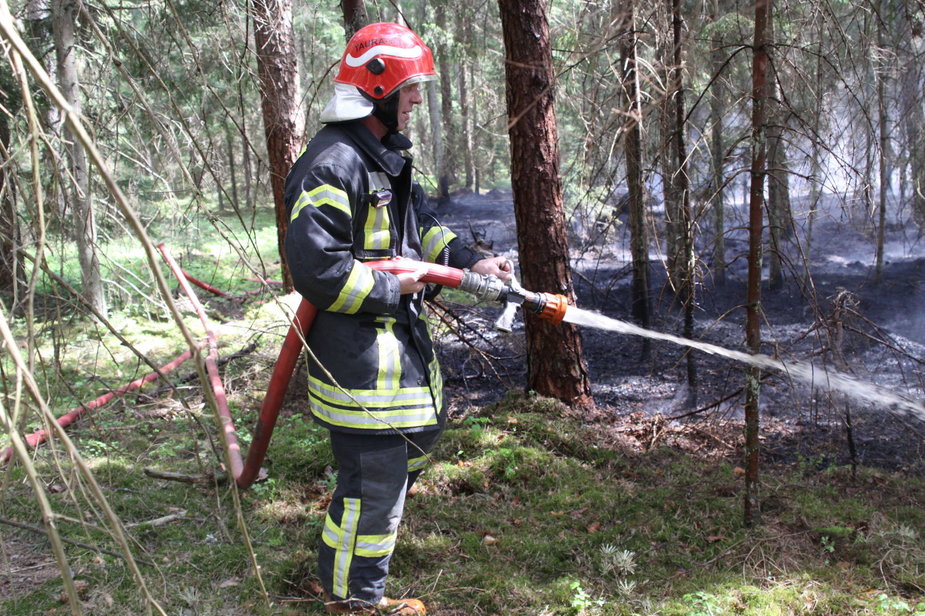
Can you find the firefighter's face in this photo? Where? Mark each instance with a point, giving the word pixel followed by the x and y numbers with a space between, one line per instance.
pixel 408 97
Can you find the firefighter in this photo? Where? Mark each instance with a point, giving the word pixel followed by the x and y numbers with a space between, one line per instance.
pixel 374 381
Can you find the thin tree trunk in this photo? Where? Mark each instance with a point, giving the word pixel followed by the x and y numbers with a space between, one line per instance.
pixel 884 144
pixel 355 16
pixel 64 27
pixel 11 269
pixel 232 166
pixel 684 260
pixel 555 366
pixel 279 96
pixel 443 149
pixel 464 24
pixel 756 221
pixel 639 243
pixel 815 183
pixel 718 146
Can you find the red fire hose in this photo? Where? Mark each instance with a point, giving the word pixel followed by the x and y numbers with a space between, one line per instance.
pixel 546 305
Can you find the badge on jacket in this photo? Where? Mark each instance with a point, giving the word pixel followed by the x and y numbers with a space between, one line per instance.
pixel 380 198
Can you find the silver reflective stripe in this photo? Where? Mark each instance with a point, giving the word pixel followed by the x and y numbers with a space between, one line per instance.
pixel 402 397
pixel 322 195
pixel 359 283
pixel 379 180
pixel 389 356
pixel 376 234
pixel 416 464
pixel 375 546
pixel 377 420
pixel 434 241
pixel 344 550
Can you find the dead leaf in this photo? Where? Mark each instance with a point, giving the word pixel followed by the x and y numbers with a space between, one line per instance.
pixel 80 586
pixel 230 582
pixel 594 527
pixel 715 538
pixel 738 471
pixel 489 540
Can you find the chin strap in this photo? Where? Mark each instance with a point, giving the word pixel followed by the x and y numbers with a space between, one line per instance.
pixel 386 110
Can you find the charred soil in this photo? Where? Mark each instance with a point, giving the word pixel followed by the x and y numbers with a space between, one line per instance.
pixel 841 317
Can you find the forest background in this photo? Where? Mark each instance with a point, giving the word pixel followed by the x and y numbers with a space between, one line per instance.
pixel 655 109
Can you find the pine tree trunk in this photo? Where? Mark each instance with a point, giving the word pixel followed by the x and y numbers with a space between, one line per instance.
pixel 279 96
pixel 639 243
pixel 756 221
pixel 779 214
pixel 64 28
pixel 11 271
pixel 717 147
pixel 554 365
pixel 355 16
pixel 464 24
pixel 683 260
pixel 443 148
pixel 884 146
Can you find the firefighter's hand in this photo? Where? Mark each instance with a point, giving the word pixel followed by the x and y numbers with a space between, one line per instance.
pixel 410 282
pixel 494 266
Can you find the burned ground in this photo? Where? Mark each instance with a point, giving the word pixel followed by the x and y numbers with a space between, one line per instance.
pixel 843 318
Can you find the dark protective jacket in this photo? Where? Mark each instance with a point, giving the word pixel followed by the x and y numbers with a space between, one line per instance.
pixel 349 198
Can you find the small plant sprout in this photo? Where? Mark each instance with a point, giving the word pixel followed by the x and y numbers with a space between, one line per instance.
pixel 582 603
pixel 613 559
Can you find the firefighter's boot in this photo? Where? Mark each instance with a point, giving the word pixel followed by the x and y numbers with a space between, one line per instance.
pixel 386 607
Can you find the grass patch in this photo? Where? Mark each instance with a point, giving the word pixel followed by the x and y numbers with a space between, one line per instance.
pixel 522 512
pixel 527 509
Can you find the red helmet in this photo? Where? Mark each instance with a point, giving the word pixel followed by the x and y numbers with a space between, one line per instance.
pixel 382 57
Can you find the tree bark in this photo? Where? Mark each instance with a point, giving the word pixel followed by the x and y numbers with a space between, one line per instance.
pixel 464 24
pixel 355 16
pixel 64 29
pixel 717 147
pixel 11 270
pixel 443 150
pixel 756 222
pixel 779 214
pixel 555 366
pixel 279 96
pixel 683 260
pixel 883 150
pixel 632 147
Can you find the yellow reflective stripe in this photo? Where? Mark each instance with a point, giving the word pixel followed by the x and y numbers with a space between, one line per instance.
pixel 331 534
pixel 376 234
pixel 416 464
pixel 403 396
pixel 322 195
pixel 375 546
pixel 389 356
pixel 434 241
pixel 342 539
pixel 381 420
pixel 406 408
pixel 359 283
pixel 436 376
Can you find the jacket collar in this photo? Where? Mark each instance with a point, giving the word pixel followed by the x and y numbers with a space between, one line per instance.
pixel 386 153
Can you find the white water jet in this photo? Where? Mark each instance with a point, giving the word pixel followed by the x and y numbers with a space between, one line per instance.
pixel 798 370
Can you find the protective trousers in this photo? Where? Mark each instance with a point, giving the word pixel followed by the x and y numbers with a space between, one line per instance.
pixel 373 477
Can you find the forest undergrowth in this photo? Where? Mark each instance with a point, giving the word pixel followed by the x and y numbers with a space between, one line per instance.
pixel 528 508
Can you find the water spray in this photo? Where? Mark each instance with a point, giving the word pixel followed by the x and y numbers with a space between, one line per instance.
pixel 803 371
